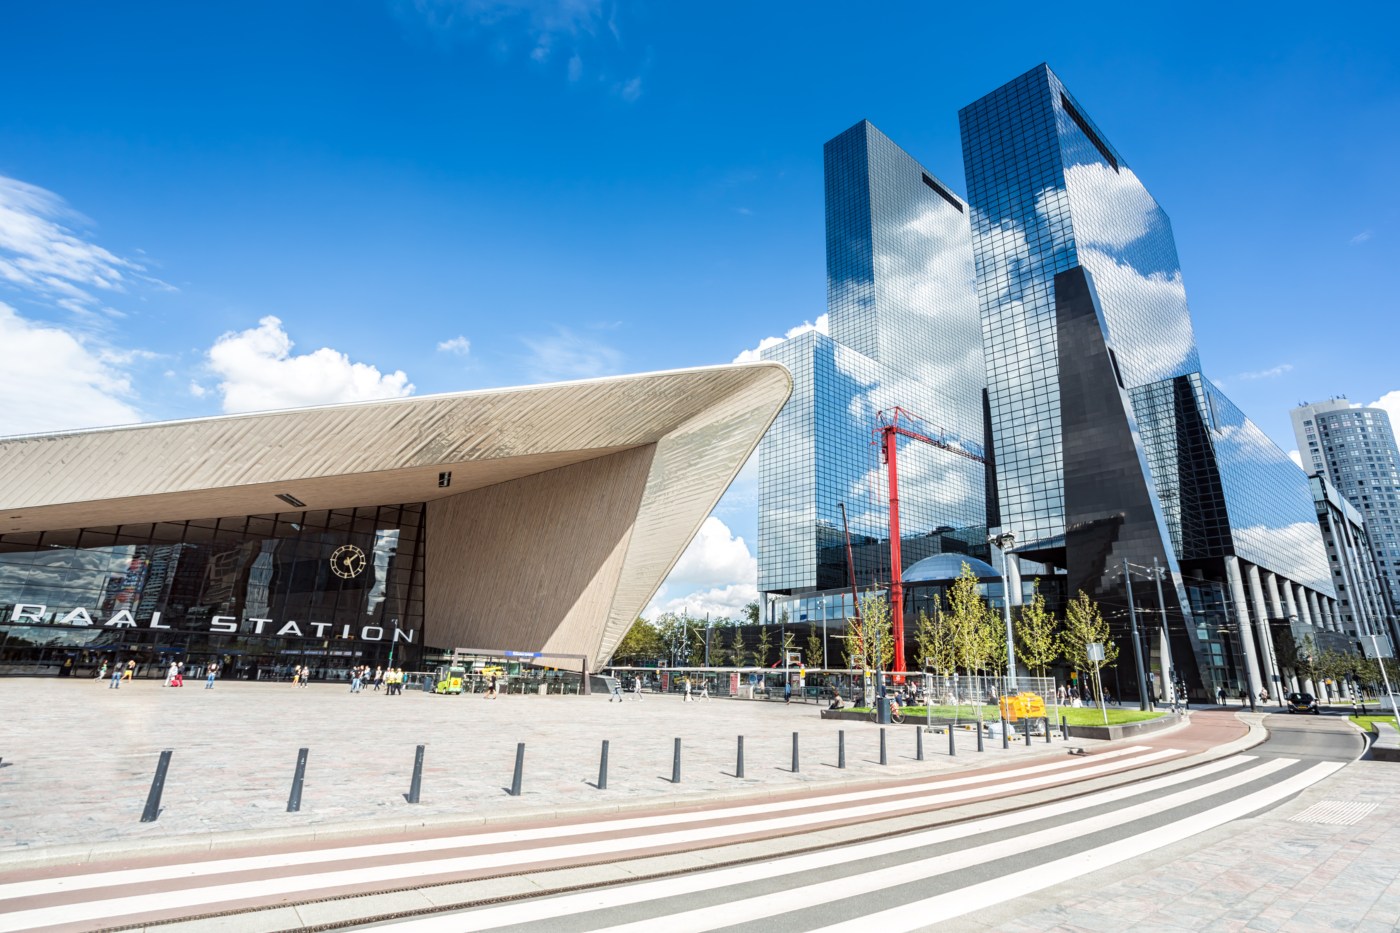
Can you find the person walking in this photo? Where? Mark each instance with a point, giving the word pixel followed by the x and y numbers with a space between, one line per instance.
pixel 102 671
pixel 491 688
pixel 212 673
pixel 787 691
pixel 616 693
pixel 117 674
pixel 378 678
pixel 637 688
pixel 130 673
pixel 356 680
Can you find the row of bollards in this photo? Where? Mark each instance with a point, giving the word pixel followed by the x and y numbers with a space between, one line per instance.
pixel 152 809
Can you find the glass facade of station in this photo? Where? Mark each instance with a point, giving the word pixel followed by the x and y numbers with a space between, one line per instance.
pixel 259 593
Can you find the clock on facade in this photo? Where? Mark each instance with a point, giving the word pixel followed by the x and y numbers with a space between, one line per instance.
pixel 347 561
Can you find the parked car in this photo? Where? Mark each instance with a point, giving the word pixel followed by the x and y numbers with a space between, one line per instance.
pixel 1302 703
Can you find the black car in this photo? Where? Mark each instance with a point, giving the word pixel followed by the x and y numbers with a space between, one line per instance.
pixel 1302 703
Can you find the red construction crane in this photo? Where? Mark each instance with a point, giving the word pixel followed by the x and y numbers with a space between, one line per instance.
pixel 888 430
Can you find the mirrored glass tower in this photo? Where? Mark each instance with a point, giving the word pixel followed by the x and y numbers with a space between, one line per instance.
pixel 903 330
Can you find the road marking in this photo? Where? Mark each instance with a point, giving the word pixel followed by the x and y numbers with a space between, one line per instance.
pixel 384 875
pixel 921 914
pixel 792 899
pixel 910 797
pixel 572 904
pixel 1334 812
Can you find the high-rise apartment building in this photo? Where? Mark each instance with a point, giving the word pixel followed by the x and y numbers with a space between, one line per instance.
pixel 1113 452
pixel 1354 448
pixel 903 330
pixel 1363 605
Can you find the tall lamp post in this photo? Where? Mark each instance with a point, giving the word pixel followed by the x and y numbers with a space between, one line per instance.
pixel 1375 646
pixel 821 611
pixel 1005 542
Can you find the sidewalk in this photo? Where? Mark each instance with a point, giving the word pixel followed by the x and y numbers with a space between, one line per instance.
pixel 78 764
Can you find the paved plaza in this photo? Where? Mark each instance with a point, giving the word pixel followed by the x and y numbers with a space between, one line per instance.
pixel 78 762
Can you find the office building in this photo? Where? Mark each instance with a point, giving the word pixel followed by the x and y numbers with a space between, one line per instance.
pixel 1112 451
pixel 903 331
pixel 1363 607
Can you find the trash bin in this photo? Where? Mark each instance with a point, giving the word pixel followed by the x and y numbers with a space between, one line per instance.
pixel 882 707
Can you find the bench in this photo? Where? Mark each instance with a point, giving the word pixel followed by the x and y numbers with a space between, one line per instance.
pixel 1387 744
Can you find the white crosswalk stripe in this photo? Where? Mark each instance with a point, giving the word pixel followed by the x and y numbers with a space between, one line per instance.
pixel 792 898
pixel 537 846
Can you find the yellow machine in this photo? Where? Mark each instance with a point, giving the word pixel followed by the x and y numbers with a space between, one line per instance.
pixel 1022 706
pixel 449 680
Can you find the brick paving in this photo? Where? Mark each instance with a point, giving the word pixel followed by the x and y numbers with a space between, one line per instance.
pixel 78 758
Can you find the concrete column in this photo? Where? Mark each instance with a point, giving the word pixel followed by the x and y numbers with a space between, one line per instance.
pixel 1273 680
pixel 1251 666
pixel 1293 681
pixel 1316 610
pixel 1164 650
pixel 1333 622
pixel 1304 613
pixel 1289 603
pixel 1275 604
pixel 1013 582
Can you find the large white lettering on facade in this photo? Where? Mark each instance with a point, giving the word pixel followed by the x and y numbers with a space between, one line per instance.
pixel 36 614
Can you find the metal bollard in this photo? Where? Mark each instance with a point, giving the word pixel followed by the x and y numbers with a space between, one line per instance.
pixel 1028 733
pixel 603 767
pixel 883 759
pixel 1064 727
pixel 979 738
pixel 1005 736
pixel 415 786
pixel 952 748
pixel 840 748
pixel 676 763
pixel 739 764
pixel 1047 730
pixel 294 801
pixel 152 810
pixel 519 769
pixel 795 764
pixel 919 745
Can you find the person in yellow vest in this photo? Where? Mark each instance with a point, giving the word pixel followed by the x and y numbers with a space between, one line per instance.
pixel 130 670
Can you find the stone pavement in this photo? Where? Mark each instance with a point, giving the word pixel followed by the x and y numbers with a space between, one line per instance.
pixel 78 760
pixel 1272 872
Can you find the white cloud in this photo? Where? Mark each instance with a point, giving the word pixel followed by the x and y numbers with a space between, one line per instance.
pixel 716 574
pixel 54 382
pixel 197 390
pixel 1391 403
pixel 756 353
pixel 258 372
pixel 43 256
pixel 567 355
pixel 458 345
pixel 1271 373
pixel 1361 237
pixel 1116 209
pixel 1296 458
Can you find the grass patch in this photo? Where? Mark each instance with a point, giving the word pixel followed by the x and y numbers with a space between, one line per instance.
pixel 1365 721
pixel 1083 716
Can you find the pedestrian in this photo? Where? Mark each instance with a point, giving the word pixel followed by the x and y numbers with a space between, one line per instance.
pixel 1220 695
pixel 296 675
pixel 686 684
pixel 356 680
pixel 787 691
pixel 637 688
pixel 616 691
pixel 130 670
pixel 102 671
pixel 117 674
pixel 170 675
pixel 378 678
pixel 491 688
pixel 179 679
pixel 213 672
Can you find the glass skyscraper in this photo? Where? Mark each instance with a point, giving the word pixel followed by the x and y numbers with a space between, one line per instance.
pixel 903 330
pixel 1111 447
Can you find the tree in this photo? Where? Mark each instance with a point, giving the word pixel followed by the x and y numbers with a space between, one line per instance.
pixel 764 647
pixel 752 612
pixel 966 621
pixel 1307 659
pixel 1037 634
pixel 641 645
pixel 672 629
pixel 933 641
pixel 1085 624
pixel 872 644
pixel 737 649
pixel 814 649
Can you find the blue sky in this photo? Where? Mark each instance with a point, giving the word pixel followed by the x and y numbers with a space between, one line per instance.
pixel 218 207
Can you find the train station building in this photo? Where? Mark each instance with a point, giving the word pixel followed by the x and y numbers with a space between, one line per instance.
pixel 535 519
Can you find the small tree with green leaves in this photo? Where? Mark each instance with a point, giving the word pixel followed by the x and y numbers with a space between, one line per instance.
pixel 814 649
pixel 1084 624
pixel 641 644
pixel 752 612
pixel 933 641
pixel 764 647
pixel 966 622
pixel 876 643
pixel 738 651
pixel 1037 634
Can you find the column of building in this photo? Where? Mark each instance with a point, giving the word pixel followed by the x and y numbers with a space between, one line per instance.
pixel 1237 596
pixel 1268 660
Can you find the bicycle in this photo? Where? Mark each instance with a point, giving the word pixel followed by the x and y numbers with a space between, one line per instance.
pixel 896 714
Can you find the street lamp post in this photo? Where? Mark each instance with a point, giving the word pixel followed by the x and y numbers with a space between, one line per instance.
pixel 1143 702
pixel 1375 646
pixel 1005 542
pixel 821 611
